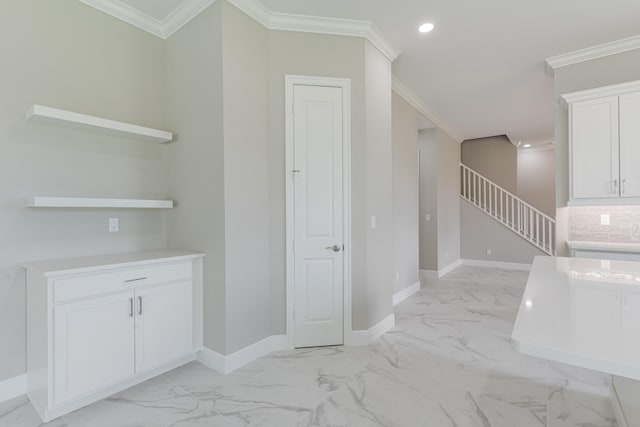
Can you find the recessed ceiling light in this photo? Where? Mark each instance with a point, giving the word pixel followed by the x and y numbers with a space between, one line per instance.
pixel 426 27
pixel 527 145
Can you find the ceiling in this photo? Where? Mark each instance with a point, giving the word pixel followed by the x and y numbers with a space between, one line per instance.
pixel 481 70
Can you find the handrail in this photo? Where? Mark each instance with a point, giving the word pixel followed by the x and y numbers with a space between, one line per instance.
pixel 510 193
pixel 514 213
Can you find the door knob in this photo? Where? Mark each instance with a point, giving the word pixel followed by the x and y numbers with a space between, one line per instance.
pixel 334 248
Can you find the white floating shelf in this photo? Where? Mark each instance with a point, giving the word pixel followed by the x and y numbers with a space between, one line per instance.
pixel 81 202
pixel 68 118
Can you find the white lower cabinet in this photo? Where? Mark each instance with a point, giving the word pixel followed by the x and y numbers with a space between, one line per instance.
pixel 89 334
pixel 96 326
pixel 163 316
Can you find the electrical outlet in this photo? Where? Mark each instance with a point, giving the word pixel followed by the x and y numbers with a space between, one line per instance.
pixel 427 217
pixel 374 223
pixel 114 225
pixel 488 251
pixel 604 219
pixel 397 277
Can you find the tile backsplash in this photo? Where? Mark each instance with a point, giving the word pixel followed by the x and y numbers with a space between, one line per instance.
pixel 624 224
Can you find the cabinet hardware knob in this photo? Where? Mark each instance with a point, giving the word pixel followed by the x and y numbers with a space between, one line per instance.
pixel 130 307
pixel 137 279
pixel 139 306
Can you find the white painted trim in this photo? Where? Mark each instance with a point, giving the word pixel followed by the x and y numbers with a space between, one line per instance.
pixel 417 103
pixel 373 333
pixel 621 419
pixel 345 84
pixel 496 264
pixel 429 276
pixel 594 52
pixel 398 297
pixel 449 268
pixel 13 387
pixel 602 92
pixel 184 13
pixel 188 10
pixel 227 364
pixel 318 25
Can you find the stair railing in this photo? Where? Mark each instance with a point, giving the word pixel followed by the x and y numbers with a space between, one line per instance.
pixel 514 213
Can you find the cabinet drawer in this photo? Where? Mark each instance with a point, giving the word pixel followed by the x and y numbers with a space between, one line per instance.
pixel 65 289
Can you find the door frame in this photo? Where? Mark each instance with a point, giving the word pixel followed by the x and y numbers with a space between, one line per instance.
pixel 345 85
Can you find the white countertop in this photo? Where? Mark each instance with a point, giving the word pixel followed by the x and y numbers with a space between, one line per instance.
pixel 604 246
pixel 584 312
pixel 87 264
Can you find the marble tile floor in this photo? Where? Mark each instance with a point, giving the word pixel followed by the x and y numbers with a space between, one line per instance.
pixel 448 362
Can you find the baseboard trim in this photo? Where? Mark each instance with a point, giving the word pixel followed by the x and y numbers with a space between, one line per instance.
pixel 227 364
pixel 496 264
pixel 398 297
pixel 428 276
pixel 373 333
pixel 449 268
pixel 621 419
pixel 13 387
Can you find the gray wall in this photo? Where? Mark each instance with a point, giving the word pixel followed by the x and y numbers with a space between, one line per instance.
pixel 428 143
pixel 196 167
pixel 481 232
pixel 218 103
pixel 379 191
pixel 67 55
pixel 405 193
pixel 537 178
pixel 246 179
pixel 448 200
pixel 620 68
pixel 495 158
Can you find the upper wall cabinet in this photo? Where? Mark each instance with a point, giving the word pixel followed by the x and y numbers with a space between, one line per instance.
pixel 604 145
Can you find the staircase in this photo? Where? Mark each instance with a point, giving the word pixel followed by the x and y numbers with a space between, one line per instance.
pixel 509 210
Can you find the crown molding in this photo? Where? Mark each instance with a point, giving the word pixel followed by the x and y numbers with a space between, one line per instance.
pixel 183 14
pixel 594 52
pixel 255 9
pixel 163 29
pixel 406 93
pixel 127 14
pixel 601 92
pixel 318 25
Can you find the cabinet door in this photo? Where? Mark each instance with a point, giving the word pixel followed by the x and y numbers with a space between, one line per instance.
pixel 631 326
pixel 164 318
pixel 93 345
pixel 594 148
pixel 630 145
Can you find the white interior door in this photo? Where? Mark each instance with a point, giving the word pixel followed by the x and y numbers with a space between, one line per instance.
pixel 318 215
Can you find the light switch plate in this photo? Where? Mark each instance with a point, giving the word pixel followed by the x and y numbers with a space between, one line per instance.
pixel 427 217
pixel 114 225
pixel 604 219
pixel 374 223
